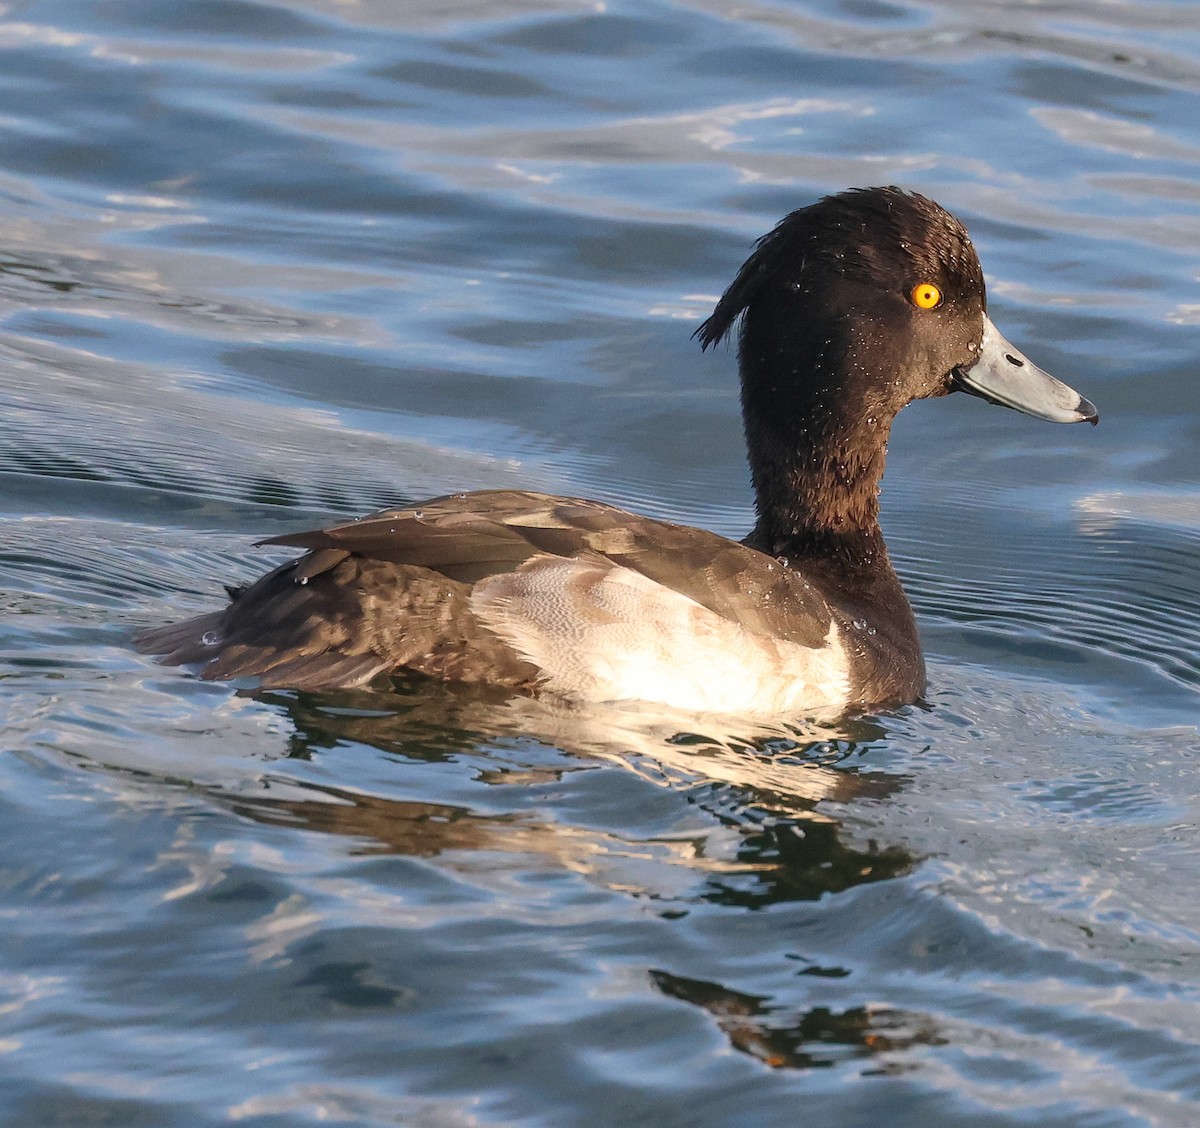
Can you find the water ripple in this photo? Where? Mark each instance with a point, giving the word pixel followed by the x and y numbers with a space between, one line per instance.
pixel 267 263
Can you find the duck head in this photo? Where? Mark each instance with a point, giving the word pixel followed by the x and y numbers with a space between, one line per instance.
pixel 850 309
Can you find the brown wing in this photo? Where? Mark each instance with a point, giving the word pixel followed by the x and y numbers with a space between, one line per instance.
pixel 391 591
pixel 334 619
pixel 466 537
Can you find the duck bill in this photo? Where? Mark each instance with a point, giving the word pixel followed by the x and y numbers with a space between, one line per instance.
pixel 1004 375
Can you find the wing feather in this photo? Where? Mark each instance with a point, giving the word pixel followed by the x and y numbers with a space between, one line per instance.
pixel 468 537
pixel 393 591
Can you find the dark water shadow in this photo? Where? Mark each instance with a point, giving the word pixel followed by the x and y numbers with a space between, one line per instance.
pixel 817 1038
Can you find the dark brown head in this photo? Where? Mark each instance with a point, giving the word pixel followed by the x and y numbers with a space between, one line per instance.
pixel 850 309
pixel 873 288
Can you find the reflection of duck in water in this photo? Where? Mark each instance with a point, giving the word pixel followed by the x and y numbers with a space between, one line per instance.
pixel 817 1037
pixel 752 843
pixel 758 836
pixel 850 309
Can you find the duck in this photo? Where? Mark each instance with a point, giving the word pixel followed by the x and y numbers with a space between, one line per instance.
pixel 847 311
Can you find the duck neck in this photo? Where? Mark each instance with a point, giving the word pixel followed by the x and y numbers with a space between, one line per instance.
pixel 816 466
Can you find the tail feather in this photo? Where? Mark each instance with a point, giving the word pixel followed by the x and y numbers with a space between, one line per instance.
pixel 320 670
pixel 178 644
pixel 332 619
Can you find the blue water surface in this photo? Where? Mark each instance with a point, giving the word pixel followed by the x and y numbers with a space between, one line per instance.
pixel 268 264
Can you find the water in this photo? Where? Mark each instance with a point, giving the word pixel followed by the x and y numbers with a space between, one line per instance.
pixel 265 265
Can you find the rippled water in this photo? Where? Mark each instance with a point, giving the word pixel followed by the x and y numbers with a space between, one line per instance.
pixel 265 264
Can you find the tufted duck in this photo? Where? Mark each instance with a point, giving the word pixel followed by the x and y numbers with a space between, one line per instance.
pixel 850 309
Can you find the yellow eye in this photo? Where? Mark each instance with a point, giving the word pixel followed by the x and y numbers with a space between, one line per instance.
pixel 925 295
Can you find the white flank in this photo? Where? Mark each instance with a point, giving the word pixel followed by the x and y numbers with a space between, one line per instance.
pixel 600 632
